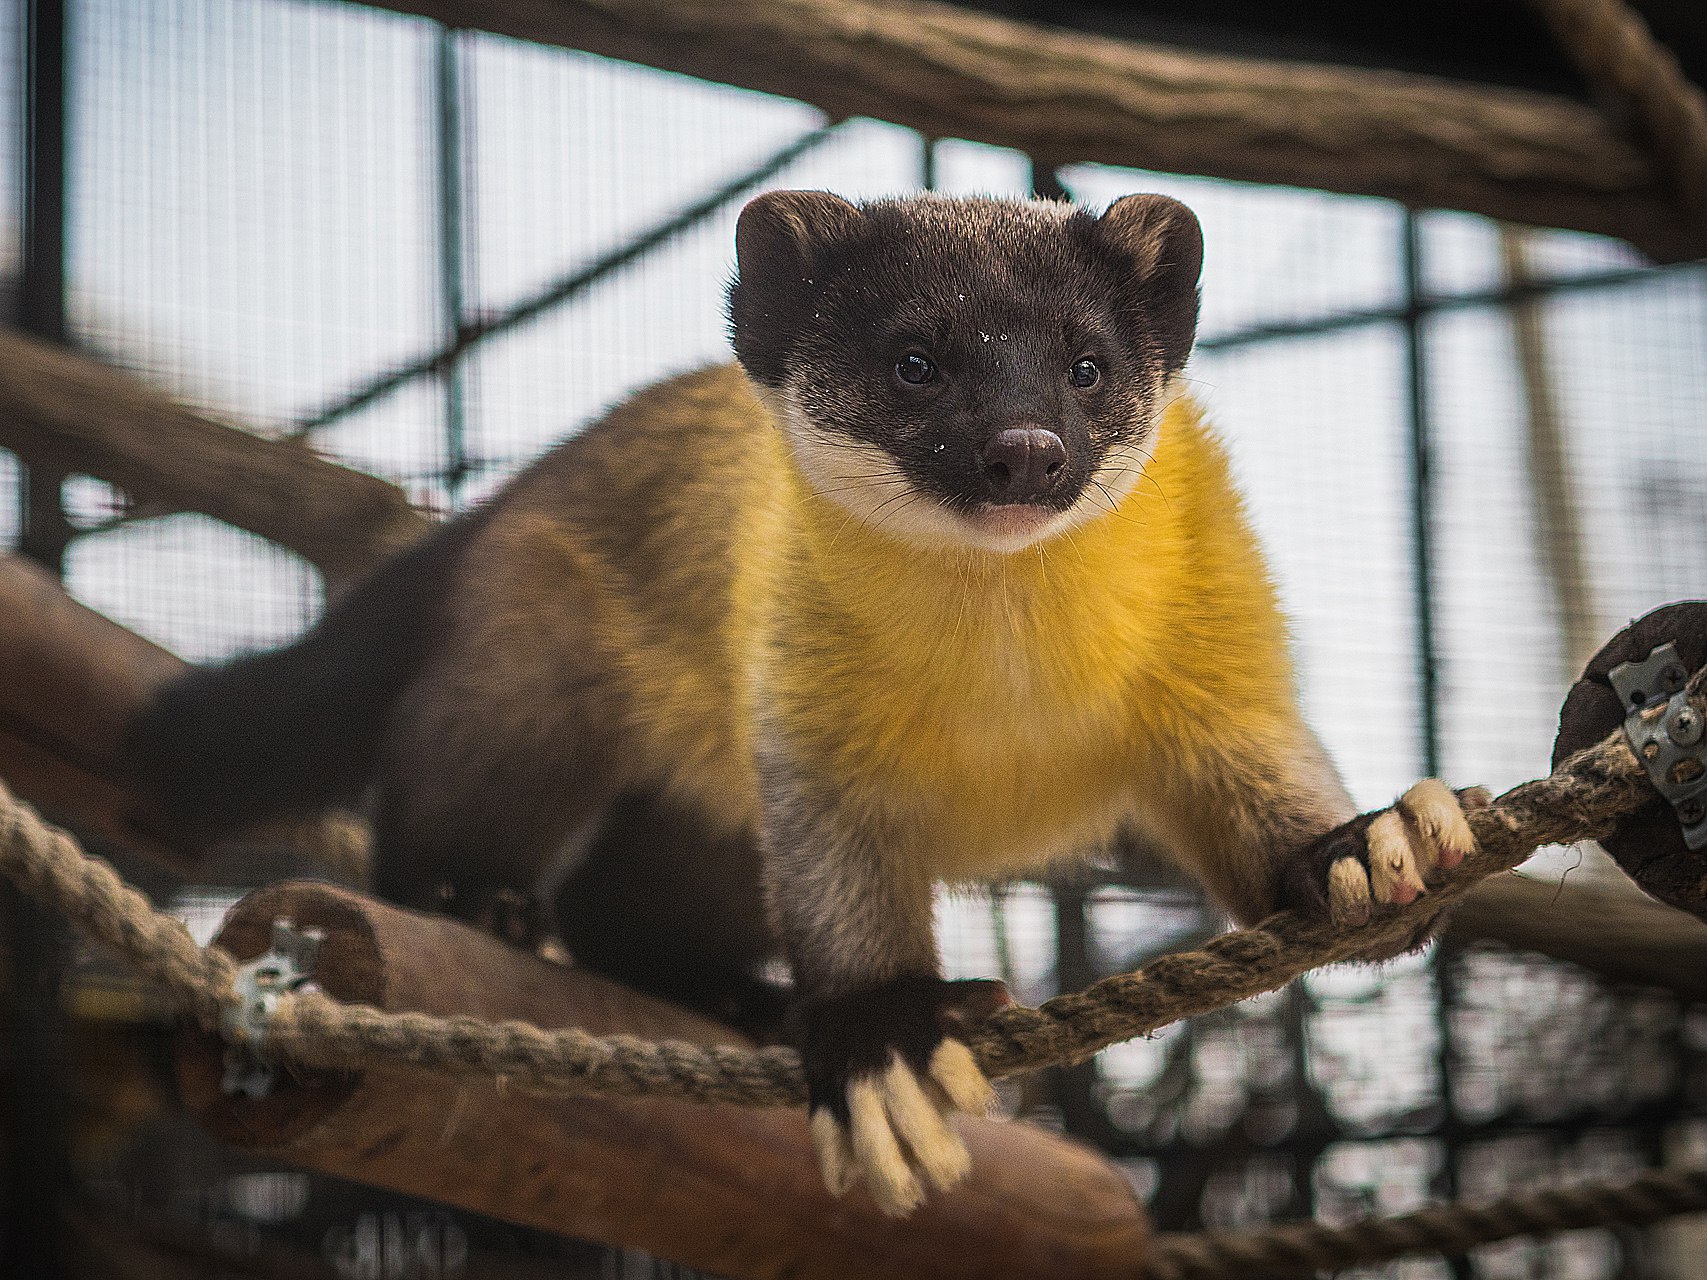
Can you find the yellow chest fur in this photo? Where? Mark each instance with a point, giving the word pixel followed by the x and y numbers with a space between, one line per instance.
pixel 993 711
pixel 1008 709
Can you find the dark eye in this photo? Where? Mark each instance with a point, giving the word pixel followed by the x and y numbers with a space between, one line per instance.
pixel 1084 373
pixel 915 370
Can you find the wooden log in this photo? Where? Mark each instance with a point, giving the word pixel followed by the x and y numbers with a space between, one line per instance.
pixel 1510 154
pixel 69 412
pixel 70 681
pixel 1648 844
pixel 1610 928
pixel 732 1191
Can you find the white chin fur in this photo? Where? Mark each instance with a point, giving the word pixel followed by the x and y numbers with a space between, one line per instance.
pixel 864 481
pixel 1009 528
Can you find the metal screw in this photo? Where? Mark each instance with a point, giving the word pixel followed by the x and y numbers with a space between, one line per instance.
pixel 1686 726
pixel 1674 676
pixel 1691 813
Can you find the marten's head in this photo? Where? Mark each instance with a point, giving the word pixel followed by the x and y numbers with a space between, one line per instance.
pixel 966 371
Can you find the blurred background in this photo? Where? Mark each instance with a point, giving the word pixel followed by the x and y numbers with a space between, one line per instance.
pixel 1473 453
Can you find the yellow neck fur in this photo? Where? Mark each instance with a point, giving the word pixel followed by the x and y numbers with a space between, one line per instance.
pixel 998 691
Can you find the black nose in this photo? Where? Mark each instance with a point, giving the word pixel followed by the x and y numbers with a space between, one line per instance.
pixel 1022 464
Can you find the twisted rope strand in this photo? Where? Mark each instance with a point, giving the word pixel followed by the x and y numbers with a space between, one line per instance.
pixel 1304 1248
pixel 1581 800
pixel 50 866
pixel 1578 802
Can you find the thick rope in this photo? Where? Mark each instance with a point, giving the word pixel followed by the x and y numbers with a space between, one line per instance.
pixel 1615 50
pixel 1582 799
pixel 50 866
pixel 1579 801
pixel 1304 1248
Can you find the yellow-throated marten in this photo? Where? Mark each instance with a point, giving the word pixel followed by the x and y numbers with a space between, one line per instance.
pixel 945 582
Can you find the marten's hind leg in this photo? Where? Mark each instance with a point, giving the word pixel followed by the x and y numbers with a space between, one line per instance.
pixel 662 904
pixel 469 818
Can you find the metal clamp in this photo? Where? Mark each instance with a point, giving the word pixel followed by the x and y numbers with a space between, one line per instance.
pixel 1667 735
pixel 259 984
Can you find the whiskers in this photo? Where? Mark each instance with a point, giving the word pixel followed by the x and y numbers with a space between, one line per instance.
pixel 861 484
pixel 887 510
pixel 1143 452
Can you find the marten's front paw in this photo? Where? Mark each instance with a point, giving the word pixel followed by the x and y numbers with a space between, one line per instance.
pixel 1383 858
pixel 883 1074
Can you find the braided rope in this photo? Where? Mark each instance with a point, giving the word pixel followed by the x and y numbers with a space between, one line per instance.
pixel 1613 47
pixel 1304 1248
pixel 1580 800
pixel 50 866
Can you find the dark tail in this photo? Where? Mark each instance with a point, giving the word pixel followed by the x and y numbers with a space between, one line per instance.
pixel 294 730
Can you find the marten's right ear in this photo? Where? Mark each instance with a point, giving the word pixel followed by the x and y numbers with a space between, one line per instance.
pixel 780 244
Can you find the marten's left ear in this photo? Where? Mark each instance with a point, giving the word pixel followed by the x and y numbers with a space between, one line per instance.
pixel 781 242
pixel 1163 244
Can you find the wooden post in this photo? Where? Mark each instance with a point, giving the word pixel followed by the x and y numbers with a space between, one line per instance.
pixel 729 1190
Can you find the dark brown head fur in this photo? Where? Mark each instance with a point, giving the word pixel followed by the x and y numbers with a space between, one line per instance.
pixel 1001 298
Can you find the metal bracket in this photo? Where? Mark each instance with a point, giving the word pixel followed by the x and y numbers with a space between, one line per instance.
pixel 1667 735
pixel 259 984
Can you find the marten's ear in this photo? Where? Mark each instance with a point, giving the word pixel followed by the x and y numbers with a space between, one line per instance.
pixel 780 243
pixel 1161 240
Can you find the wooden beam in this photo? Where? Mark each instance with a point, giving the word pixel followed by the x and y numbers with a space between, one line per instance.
pixel 72 413
pixel 1510 154
pixel 730 1190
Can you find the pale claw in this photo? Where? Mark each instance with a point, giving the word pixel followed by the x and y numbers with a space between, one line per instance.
pixel 1439 817
pixel 1393 874
pixel 898 1128
pixel 877 1152
pixel 1348 892
pixel 835 1153
pixel 923 1128
pixel 956 1070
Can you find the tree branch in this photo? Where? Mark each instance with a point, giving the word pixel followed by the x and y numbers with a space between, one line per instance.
pixel 1510 154
pixel 67 411
pixel 1610 928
